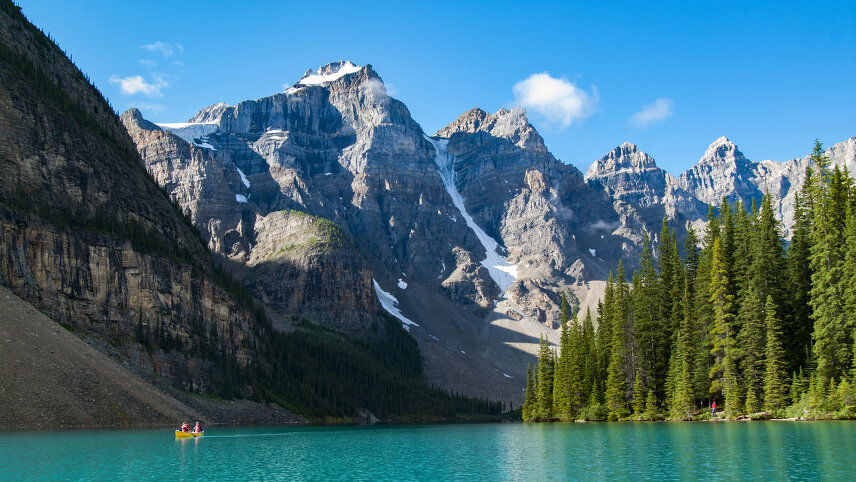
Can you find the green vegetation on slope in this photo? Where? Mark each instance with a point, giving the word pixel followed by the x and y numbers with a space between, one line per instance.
pixel 762 329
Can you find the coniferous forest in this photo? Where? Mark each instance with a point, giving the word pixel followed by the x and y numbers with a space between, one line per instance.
pixel 736 315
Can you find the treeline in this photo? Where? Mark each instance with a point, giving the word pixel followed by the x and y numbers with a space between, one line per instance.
pixel 763 328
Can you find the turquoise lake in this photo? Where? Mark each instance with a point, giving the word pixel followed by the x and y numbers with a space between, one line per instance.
pixel 751 451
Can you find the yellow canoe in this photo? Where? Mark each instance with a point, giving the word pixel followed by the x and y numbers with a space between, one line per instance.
pixel 180 434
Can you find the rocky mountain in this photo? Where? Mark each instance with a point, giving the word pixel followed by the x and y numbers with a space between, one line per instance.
pixel 90 241
pixel 469 237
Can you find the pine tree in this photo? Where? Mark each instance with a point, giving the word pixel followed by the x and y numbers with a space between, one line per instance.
pixel 849 272
pixel 751 343
pixel 652 334
pixel 753 401
pixel 723 373
pixel 577 367
pixel 768 260
pixel 545 381
pixel 561 375
pixel 650 406
pixel 590 357
pixel 605 315
pixel 616 379
pixel 531 400
pixel 797 321
pixel 832 336
pixel 775 372
pixel 638 398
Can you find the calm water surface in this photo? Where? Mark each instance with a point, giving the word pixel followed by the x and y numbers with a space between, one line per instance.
pixel 760 450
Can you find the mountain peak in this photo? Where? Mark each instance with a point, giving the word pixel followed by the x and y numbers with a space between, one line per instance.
pixel 511 123
pixel 329 72
pixel 722 150
pixel 626 157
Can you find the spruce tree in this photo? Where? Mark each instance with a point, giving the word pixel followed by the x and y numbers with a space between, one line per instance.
pixel 531 400
pixel 577 366
pixel 767 269
pixel 650 406
pixel 545 381
pixel 590 356
pixel 651 335
pixel 849 272
pixel 638 398
pixel 616 378
pixel 723 372
pixel 797 320
pixel 832 336
pixel 751 342
pixel 561 389
pixel 775 370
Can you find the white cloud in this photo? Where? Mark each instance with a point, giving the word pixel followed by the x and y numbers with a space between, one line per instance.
pixel 165 48
pixel 557 100
pixel 148 63
pixel 375 88
pixel 135 84
pixel 153 108
pixel 660 109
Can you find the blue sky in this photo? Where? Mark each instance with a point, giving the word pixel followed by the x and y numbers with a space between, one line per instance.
pixel 668 76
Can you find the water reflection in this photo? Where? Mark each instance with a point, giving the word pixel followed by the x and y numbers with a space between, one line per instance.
pixel 756 450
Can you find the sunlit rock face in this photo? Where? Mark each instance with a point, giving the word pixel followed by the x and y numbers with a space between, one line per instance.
pixel 469 236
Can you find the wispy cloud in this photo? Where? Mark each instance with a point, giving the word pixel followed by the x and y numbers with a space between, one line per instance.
pixel 165 48
pixel 148 63
pixel 659 110
pixel 136 84
pixel 557 100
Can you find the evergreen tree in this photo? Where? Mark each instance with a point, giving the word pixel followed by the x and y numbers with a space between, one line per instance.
pixel 723 373
pixel 652 334
pixel 849 272
pixel 531 400
pixel 767 269
pixel 545 381
pixel 638 398
pixel 616 378
pixel 775 374
pixel 577 366
pixel 751 342
pixel 590 359
pixel 797 321
pixel 650 406
pixel 561 388
pixel 832 336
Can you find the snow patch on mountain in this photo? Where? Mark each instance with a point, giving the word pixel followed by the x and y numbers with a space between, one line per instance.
pixel 191 130
pixel 243 177
pixel 500 270
pixel 329 73
pixel 390 304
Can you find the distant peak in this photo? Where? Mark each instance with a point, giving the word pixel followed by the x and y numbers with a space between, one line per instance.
pixel 329 72
pixel 626 157
pixel 722 149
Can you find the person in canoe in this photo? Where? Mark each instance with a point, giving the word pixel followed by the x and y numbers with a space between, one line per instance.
pixel 185 427
pixel 197 428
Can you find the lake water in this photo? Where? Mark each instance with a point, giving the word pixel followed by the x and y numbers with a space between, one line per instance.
pixel 758 450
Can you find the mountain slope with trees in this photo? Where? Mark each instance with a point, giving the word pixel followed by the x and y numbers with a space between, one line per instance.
pixel 763 327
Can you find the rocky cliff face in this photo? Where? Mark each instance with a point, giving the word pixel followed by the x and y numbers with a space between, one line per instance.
pixel 85 235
